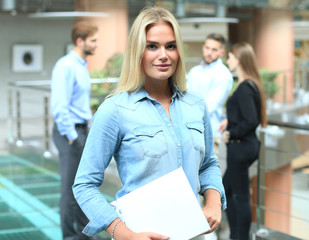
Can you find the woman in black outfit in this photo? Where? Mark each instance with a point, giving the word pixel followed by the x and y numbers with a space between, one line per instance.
pixel 245 111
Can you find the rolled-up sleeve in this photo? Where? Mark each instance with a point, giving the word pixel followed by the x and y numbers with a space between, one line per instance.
pixel 210 172
pixel 102 142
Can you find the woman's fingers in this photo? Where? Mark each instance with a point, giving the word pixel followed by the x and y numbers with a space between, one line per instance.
pixel 213 224
pixel 150 236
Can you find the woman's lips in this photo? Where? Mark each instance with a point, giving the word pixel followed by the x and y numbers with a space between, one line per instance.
pixel 163 67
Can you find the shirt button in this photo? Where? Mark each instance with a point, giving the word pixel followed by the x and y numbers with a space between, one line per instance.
pixel 169 125
pixel 179 144
pixel 160 108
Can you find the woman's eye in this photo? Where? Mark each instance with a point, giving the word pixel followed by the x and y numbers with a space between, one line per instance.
pixel 171 46
pixel 151 46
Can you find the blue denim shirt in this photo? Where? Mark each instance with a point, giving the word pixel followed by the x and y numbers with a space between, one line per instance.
pixel 146 144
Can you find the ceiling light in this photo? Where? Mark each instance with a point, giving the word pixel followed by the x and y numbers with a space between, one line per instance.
pixel 67 14
pixel 208 19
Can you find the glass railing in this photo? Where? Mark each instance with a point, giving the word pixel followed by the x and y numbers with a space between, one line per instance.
pixel 281 187
pixel 29 171
pixel 29 117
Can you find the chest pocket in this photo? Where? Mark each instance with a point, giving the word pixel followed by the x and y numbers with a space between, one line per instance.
pixel 152 140
pixel 196 130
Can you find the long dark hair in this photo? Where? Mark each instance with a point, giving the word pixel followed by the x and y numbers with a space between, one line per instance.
pixel 245 54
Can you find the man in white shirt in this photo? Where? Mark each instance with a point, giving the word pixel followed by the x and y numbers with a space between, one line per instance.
pixel 213 80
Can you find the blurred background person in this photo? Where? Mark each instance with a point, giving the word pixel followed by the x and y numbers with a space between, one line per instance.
pixel 70 106
pixel 245 111
pixel 213 80
pixel 151 126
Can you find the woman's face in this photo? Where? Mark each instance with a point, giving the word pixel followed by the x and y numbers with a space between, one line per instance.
pixel 232 62
pixel 161 56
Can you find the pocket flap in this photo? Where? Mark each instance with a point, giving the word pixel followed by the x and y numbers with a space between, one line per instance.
pixel 196 125
pixel 147 130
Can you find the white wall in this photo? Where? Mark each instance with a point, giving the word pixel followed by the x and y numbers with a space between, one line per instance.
pixel 52 34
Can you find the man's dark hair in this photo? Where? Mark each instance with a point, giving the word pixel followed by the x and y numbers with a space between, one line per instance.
pixel 83 29
pixel 217 37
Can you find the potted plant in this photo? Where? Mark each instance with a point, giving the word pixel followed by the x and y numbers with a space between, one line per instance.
pixel 269 84
pixel 99 91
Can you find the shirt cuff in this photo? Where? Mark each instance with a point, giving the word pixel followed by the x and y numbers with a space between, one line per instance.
pixel 222 194
pixel 72 135
pixel 100 223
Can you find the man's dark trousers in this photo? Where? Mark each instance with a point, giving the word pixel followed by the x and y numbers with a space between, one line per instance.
pixel 73 220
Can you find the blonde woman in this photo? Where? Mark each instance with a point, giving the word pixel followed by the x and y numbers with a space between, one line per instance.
pixel 151 126
pixel 245 111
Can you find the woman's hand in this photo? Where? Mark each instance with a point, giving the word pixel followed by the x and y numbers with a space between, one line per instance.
pixel 212 209
pixel 140 236
pixel 226 136
pixel 149 236
pixel 119 231
pixel 213 216
pixel 223 125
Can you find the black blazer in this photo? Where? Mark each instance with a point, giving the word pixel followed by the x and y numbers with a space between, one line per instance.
pixel 243 111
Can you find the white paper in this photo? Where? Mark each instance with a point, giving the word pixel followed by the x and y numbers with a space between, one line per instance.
pixel 166 206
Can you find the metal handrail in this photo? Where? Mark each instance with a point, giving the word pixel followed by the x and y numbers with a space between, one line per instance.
pixel 260 206
pixel 42 86
pixel 289 125
pixel 36 83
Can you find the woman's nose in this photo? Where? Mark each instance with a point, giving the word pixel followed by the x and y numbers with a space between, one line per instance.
pixel 163 54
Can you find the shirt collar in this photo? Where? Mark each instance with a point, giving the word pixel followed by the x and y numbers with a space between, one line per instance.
pixel 176 91
pixel 211 65
pixel 141 94
pixel 78 58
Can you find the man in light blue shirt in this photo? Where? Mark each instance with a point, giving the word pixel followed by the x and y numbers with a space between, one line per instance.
pixel 212 79
pixel 70 106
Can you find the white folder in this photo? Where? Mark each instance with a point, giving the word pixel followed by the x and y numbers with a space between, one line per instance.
pixel 166 206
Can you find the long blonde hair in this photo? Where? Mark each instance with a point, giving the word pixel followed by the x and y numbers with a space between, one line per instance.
pixel 131 78
pixel 245 54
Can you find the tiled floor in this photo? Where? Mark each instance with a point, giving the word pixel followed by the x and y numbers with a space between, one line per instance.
pixel 29 197
pixel 29 200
